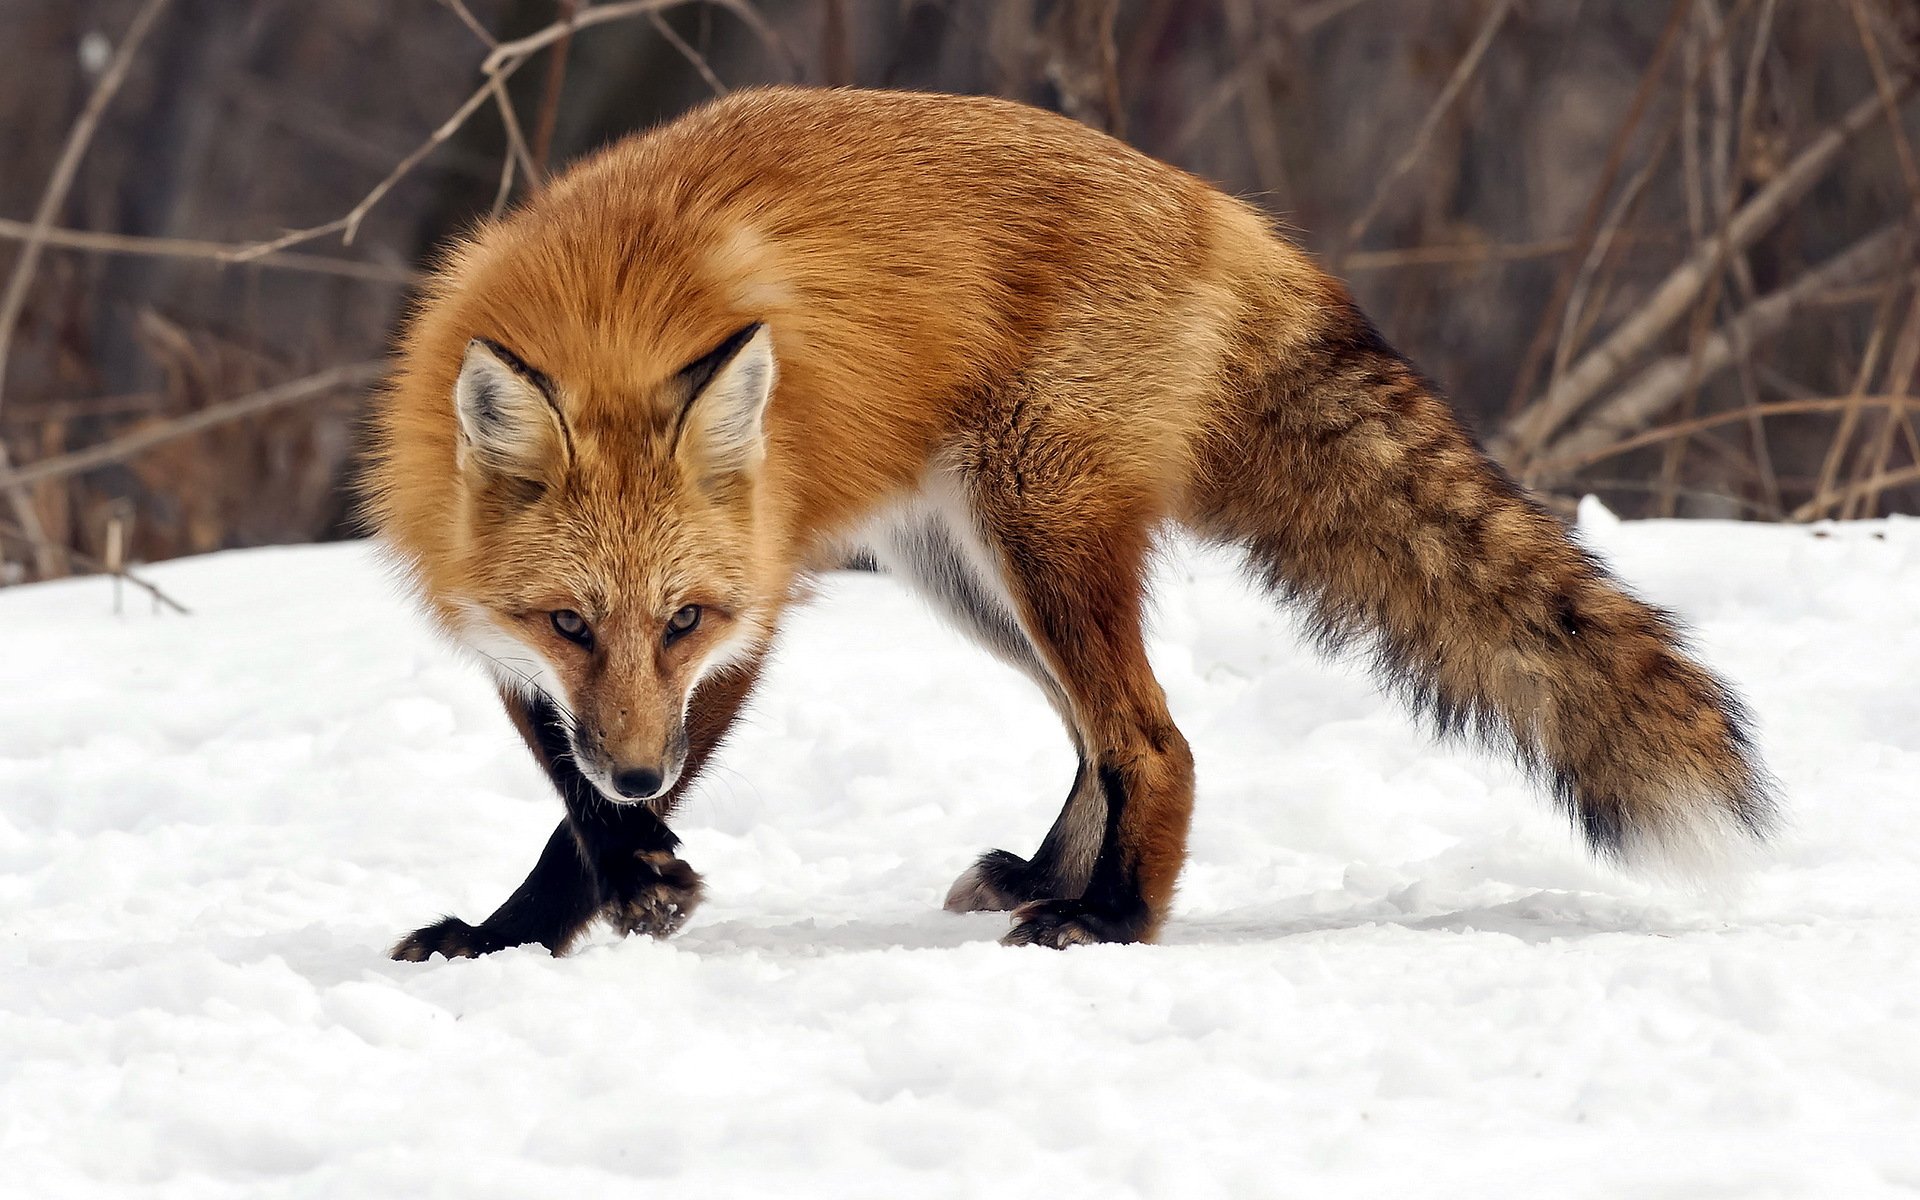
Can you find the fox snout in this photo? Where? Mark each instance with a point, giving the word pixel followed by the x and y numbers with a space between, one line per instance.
pixel 630 770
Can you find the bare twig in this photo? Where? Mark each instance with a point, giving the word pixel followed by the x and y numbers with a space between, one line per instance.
pixel 1872 485
pixel 1900 371
pixel 331 379
pixel 1862 380
pixel 1469 63
pixel 1661 383
pixel 694 58
pixel 549 115
pixel 1723 198
pixel 52 197
pixel 1884 83
pixel 459 9
pixel 221 253
pixel 1599 255
pixel 518 150
pixel 349 225
pixel 518 155
pixel 1583 303
pixel 500 64
pixel 505 188
pixel 1531 429
pixel 1476 253
pixel 8 529
pixel 1543 335
pixel 1724 258
pixel 508 55
pixel 61 181
pixel 1691 426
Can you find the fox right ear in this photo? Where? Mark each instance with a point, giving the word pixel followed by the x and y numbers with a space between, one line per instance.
pixel 510 424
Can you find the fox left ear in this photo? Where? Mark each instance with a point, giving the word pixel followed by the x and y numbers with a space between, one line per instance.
pixel 727 389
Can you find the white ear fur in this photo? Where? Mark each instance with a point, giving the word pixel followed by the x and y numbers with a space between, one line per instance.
pixel 507 424
pixel 724 429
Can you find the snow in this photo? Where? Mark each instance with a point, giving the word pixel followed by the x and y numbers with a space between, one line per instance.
pixel 1390 972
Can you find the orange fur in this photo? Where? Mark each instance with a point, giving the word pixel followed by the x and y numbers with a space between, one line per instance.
pixel 1085 344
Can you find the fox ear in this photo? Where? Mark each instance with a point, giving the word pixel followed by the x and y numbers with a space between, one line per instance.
pixel 727 389
pixel 509 422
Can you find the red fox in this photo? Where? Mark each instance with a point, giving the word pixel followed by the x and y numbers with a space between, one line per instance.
pixel 1000 353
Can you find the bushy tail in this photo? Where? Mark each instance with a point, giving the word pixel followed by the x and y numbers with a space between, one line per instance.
pixel 1357 494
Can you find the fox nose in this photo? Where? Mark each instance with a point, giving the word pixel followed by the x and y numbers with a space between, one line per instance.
pixel 637 783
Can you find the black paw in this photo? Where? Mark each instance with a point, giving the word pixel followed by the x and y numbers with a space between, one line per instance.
pixel 655 897
pixel 449 936
pixel 1062 923
pixel 998 882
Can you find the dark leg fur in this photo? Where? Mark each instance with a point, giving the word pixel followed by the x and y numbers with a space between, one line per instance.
pixel 1000 881
pixel 551 908
pixel 604 860
pixel 1112 909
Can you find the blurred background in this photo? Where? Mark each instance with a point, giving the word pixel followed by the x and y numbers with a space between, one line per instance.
pixel 1657 250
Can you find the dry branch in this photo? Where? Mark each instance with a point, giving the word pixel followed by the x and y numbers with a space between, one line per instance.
pixel 1671 301
pixel 694 58
pixel 459 9
pixel 1687 428
pixel 1442 104
pixel 1884 83
pixel 549 113
pixel 86 560
pixel 507 56
pixel 1542 339
pixel 1474 254
pixel 1900 372
pixel 332 379
pixel 222 253
pixel 1600 255
pixel 46 557
pixel 500 64
pixel 1662 383
pixel 1871 486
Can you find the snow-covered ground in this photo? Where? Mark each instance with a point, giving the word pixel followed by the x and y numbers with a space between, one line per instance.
pixel 1391 973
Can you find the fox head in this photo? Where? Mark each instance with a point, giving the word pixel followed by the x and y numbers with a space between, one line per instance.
pixel 609 544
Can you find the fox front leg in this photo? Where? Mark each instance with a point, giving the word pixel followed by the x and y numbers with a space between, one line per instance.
pixel 603 860
pixel 609 860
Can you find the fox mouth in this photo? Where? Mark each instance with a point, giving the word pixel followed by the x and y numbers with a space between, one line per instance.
pixel 618 787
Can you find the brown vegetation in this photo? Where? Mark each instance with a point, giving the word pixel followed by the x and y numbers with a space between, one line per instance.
pixel 1661 251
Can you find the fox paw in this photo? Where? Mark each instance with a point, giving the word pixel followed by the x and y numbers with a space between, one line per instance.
pixel 1061 923
pixel 657 897
pixel 997 882
pixel 450 937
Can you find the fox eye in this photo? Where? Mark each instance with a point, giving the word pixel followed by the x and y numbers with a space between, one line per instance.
pixel 572 626
pixel 682 622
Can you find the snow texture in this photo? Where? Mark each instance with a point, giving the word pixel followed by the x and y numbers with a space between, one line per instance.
pixel 1390 973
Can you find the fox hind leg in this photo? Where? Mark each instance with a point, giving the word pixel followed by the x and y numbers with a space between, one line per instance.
pixel 1072 539
pixel 936 550
pixel 1081 591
